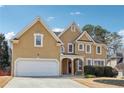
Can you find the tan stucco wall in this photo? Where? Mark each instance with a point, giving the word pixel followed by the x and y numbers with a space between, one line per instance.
pixel 25 48
pixel 93 54
pixel 68 37
pixel 84 37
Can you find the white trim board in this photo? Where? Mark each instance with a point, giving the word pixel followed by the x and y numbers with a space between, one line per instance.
pixel 100 60
pixel 73 23
pixel 31 59
pixel 72 47
pixel 89 37
pixel 100 49
pixel 41 36
pixel 89 59
pixel 19 34
pixel 82 47
pixel 18 59
pixel 90 49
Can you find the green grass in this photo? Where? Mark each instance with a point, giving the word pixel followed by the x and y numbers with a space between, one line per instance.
pixel 90 76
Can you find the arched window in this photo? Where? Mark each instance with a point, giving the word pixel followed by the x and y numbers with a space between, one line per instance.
pixel 62 49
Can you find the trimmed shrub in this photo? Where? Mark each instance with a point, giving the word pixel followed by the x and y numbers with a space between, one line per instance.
pixel 97 71
pixel 110 72
pixel 89 70
pixel 115 72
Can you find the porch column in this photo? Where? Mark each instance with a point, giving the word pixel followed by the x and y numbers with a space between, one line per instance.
pixel 72 67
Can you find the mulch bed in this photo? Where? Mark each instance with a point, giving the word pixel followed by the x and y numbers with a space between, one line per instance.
pixel 111 82
pixel 92 82
pixel 5 77
pixel 5 73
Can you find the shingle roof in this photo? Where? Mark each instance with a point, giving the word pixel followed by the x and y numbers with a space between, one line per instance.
pixel 57 33
pixel 98 41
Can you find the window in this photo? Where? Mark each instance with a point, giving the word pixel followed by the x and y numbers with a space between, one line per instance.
pixel 79 65
pixel 38 40
pixel 98 49
pixel 81 47
pixel 70 48
pixel 99 63
pixel 102 63
pixel 73 28
pixel 62 49
pixel 88 48
pixel 89 62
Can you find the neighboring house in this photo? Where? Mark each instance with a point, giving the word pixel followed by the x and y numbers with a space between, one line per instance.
pixel 37 51
pixel 117 62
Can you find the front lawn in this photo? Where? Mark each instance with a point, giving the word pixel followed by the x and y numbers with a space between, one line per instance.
pixel 111 82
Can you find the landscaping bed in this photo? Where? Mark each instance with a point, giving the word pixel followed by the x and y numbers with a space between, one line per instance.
pixel 111 82
pixel 91 82
pixel 5 73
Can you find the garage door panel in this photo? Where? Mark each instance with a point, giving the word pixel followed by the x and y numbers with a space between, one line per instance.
pixel 37 68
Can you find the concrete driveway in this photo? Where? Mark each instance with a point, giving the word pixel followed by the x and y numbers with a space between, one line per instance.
pixel 28 82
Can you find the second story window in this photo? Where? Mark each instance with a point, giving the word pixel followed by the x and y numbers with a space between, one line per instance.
pixel 70 48
pixel 98 49
pixel 38 40
pixel 81 47
pixel 88 48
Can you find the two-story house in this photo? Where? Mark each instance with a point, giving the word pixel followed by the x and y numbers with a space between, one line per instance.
pixel 38 51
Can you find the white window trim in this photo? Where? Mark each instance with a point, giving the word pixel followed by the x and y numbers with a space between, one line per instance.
pixel 79 47
pixel 99 60
pixel 78 65
pixel 72 48
pixel 38 34
pixel 100 50
pixel 90 49
pixel 89 59
pixel 62 49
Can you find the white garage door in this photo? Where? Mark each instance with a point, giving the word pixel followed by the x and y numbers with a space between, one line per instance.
pixel 36 68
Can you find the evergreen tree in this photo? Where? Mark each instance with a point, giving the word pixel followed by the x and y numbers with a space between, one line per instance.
pixel 4 56
pixel 111 39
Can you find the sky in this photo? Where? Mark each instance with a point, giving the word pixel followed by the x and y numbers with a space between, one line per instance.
pixel 14 18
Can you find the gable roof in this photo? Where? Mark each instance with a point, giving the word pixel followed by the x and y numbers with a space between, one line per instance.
pixel 89 37
pixel 94 41
pixel 19 34
pixel 73 23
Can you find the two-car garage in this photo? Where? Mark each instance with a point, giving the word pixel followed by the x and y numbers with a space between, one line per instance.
pixel 36 67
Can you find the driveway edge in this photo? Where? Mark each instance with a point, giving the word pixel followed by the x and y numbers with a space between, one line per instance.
pixel 10 78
